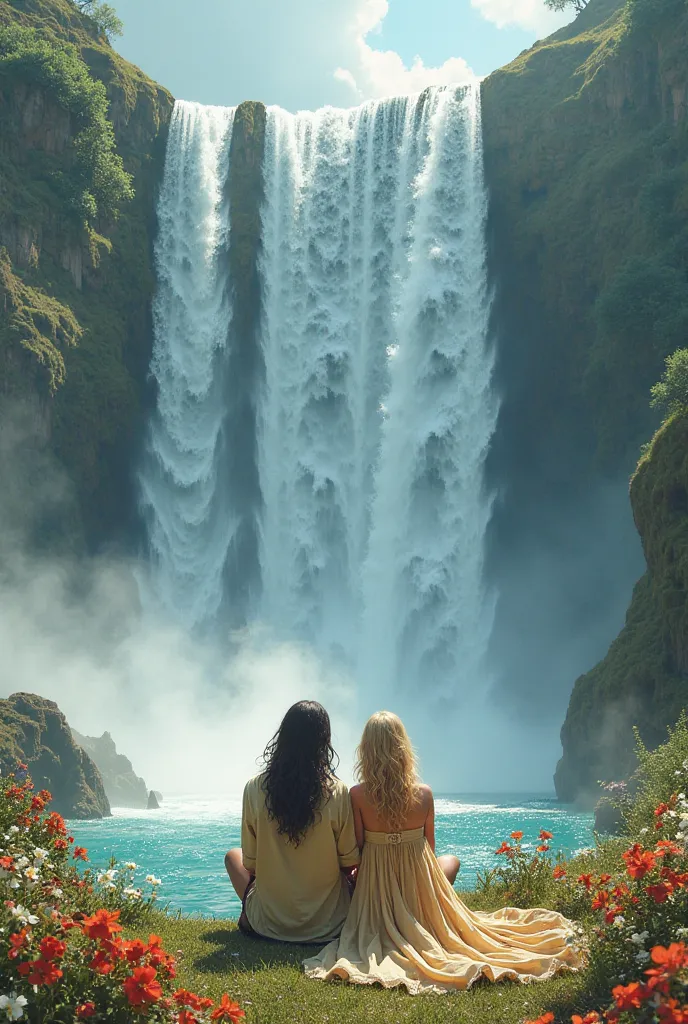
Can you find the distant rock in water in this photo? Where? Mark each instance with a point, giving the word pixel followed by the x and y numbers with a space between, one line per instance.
pixel 123 786
pixel 34 730
pixel 153 804
pixel 158 796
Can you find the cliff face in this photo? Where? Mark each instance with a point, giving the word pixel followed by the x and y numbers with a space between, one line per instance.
pixel 643 680
pixel 34 730
pixel 122 785
pixel 75 331
pixel 586 157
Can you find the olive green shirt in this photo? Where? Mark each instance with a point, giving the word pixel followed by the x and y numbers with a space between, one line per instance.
pixel 300 894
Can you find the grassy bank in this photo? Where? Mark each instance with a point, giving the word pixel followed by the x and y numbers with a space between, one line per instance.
pixel 266 979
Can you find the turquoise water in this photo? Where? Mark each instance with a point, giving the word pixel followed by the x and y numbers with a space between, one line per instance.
pixel 184 843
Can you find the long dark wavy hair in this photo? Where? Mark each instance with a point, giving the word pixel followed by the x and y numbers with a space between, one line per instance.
pixel 299 769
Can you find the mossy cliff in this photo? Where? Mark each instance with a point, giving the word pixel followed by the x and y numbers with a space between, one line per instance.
pixel 75 285
pixel 124 788
pixel 35 732
pixel 643 681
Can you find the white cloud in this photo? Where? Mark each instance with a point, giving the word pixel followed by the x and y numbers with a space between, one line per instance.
pixel 373 73
pixel 301 55
pixel 531 15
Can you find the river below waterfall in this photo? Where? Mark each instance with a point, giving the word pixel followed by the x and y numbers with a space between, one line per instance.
pixel 184 842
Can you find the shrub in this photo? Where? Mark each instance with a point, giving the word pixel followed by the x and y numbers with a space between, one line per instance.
pixel 105 17
pixel 671 393
pixel 61 930
pixel 96 184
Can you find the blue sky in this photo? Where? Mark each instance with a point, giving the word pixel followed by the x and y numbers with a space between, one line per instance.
pixel 308 53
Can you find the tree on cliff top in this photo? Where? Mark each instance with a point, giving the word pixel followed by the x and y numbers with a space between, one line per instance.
pixel 561 5
pixel 105 16
pixel 671 393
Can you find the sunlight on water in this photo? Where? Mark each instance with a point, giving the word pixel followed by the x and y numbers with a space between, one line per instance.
pixel 185 841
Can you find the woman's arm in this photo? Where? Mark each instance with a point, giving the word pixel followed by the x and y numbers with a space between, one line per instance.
pixel 429 827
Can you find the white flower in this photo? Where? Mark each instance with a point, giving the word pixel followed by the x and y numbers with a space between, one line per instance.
pixel 13 1005
pixel 153 880
pixel 22 862
pixel 642 957
pixel 32 874
pixel 56 893
pixel 682 933
pixel 133 894
pixel 130 866
pixel 14 828
pixel 619 921
pixel 23 915
pixel 39 857
pixel 108 876
pixel 644 831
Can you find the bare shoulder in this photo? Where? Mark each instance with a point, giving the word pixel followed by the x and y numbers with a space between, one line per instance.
pixel 356 794
pixel 426 796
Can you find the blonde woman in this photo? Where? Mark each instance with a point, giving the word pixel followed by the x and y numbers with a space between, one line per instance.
pixel 406 925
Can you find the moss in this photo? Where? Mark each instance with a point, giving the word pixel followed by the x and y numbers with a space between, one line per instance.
pixel 643 681
pixel 102 276
pixel 36 324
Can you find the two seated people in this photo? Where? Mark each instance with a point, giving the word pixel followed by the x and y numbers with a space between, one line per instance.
pixel 307 844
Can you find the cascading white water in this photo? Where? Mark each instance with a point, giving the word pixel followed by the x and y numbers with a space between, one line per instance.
pixel 377 408
pixel 184 487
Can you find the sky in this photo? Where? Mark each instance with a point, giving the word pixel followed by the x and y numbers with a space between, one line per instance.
pixel 305 54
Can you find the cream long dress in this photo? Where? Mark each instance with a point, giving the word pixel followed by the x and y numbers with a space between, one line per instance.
pixel 407 926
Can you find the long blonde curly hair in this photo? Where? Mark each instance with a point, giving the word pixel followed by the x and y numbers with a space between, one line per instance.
pixel 386 764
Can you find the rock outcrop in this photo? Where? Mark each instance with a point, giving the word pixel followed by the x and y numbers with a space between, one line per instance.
pixel 34 731
pixel 123 786
pixel 643 681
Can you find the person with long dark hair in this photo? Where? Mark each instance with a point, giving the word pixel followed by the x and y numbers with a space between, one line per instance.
pixel 298 843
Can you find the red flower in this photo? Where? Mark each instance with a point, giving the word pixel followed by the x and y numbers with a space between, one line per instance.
pixel 18 942
pixel 630 997
pixel 55 824
pixel 6 863
pixel 559 872
pixel 183 997
pixel 85 1010
pixel 504 848
pixel 187 1017
pixel 60 844
pixel 659 892
pixel 141 987
pixel 52 948
pixel 662 809
pixel 37 803
pixel 671 958
pixel 102 963
pixel 585 880
pixel 40 972
pixel 80 853
pixel 604 879
pixel 639 861
pixel 544 835
pixel 134 950
pixel 612 913
pixel 102 925
pixel 601 900
pixel 227 1010
pixel 45 796
pixel 158 956
pixel 590 1018
pixel 666 848
pixel 543 848
pixel 518 836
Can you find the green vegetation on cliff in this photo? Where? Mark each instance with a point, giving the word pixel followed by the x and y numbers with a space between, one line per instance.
pixel 76 279
pixel 643 681
pixel 34 730
pixel 586 151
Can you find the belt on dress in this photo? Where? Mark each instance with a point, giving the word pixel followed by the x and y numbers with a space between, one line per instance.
pixel 411 835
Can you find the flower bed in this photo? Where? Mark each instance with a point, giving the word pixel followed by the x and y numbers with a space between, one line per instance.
pixel 63 953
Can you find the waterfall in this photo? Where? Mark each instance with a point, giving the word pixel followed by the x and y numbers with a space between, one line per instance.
pixel 374 406
pixel 377 410
pixel 184 485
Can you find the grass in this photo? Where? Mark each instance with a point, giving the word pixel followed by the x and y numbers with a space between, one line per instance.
pixel 267 979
